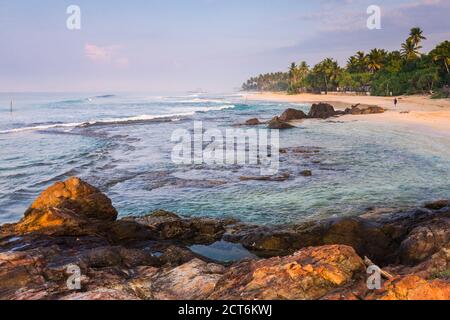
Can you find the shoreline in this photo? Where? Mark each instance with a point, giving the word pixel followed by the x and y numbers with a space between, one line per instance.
pixel 422 111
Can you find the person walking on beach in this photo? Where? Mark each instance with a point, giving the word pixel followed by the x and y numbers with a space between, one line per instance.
pixel 395 102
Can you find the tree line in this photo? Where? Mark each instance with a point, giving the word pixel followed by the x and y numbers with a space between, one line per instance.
pixel 380 72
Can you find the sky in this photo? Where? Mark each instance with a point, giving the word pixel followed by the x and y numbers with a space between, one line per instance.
pixel 183 45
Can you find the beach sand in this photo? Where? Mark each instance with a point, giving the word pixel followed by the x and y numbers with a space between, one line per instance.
pixel 419 111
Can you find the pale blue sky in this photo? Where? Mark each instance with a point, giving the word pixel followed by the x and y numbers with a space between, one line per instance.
pixel 177 45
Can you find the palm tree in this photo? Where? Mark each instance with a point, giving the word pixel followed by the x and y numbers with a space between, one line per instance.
pixel 376 59
pixel 410 50
pixel 416 36
pixel 328 70
pixel 442 54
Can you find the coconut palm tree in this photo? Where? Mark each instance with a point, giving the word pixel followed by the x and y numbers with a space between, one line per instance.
pixel 376 59
pixel 442 54
pixel 416 36
pixel 410 50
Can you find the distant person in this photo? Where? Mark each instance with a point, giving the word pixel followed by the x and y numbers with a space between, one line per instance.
pixel 395 102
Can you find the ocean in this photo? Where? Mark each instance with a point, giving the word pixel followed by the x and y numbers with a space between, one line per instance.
pixel 121 143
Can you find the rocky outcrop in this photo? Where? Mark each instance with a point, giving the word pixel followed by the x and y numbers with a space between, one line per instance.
pixel 292 114
pixel 359 109
pixel 149 257
pixel 77 196
pixel 276 123
pixel 308 274
pixel 321 111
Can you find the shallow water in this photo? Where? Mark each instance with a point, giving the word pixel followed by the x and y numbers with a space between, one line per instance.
pixel 122 144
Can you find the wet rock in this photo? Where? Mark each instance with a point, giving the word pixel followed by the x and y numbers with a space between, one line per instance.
pixel 253 122
pixel 279 178
pixel 366 237
pixel 438 205
pixel 308 274
pixel 168 226
pixel 77 196
pixel 424 241
pixel 322 111
pixel 276 123
pixel 292 114
pixel 306 173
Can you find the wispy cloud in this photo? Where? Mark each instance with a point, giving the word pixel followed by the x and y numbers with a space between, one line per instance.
pixel 106 54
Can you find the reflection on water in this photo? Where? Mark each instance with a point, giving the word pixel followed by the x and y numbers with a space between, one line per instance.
pixel 223 251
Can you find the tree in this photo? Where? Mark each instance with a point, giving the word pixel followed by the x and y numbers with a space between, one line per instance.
pixel 441 55
pixel 376 59
pixel 410 50
pixel 326 72
pixel 416 36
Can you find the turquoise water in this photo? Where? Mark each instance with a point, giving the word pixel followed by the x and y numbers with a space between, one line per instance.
pixel 121 144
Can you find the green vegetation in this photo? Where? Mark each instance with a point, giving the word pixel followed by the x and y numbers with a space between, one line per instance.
pixel 382 73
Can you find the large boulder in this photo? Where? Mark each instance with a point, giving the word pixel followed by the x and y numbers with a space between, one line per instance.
pixel 321 111
pixel 292 114
pixel 277 123
pixel 72 207
pixel 424 241
pixel 77 196
pixel 308 274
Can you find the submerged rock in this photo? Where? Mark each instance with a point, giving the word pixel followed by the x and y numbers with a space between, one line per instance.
pixel 276 123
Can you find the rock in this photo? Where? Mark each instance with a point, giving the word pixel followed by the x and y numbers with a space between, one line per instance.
pixel 321 111
pixel 292 114
pixel 306 173
pixel 77 196
pixel 101 294
pixel 168 226
pixel 194 280
pixel 413 287
pixel 253 122
pixel 125 231
pixel 363 109
pixel 279 178
pixel 54 221
pixel 367 238
pixel 276 123
pixel 308 274
pixel 424 241
pixel 438 205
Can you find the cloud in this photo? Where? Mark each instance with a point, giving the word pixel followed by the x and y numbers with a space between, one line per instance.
pixel 106 54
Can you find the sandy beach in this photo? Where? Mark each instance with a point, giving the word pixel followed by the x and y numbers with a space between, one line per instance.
pixel 420 111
